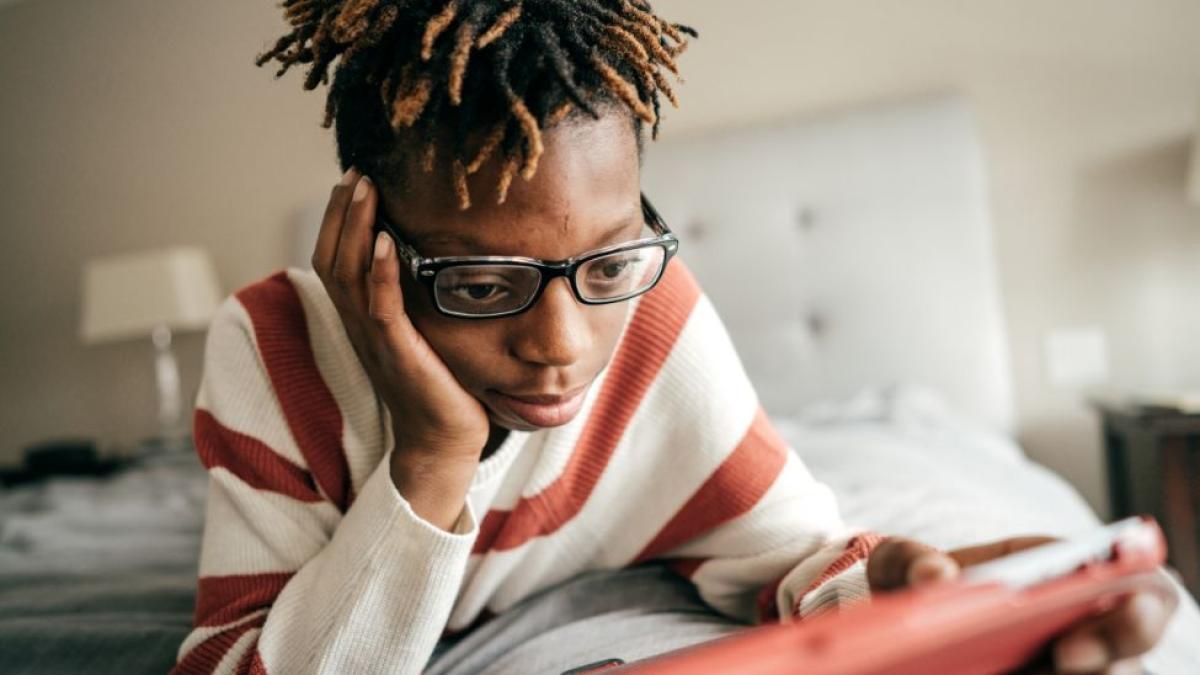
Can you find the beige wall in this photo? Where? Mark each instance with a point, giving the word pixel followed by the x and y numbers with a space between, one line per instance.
pixel 130 124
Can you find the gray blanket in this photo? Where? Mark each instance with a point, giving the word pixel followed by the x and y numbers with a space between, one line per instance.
pixel 99 576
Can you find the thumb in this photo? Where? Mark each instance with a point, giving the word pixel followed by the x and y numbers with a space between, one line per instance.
pixel 900 563
pixel 931 567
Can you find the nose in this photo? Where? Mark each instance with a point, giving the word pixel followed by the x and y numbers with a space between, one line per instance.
pixel 554 332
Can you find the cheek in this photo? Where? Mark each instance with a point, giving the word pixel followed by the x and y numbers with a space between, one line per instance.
pixel 476 352
pixel 473 351
pixel 469 349
pixel 607 322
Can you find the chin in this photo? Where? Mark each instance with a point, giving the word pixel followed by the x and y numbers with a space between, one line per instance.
pixel 512 424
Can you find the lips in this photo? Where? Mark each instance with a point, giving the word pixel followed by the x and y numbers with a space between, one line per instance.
pixel 542 399
pixel 545 410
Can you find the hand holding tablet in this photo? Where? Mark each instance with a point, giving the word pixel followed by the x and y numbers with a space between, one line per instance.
pixel 996 616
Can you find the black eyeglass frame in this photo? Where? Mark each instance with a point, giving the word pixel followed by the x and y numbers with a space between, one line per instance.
pixel 425 270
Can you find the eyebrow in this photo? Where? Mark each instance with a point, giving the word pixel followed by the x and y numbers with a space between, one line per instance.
pixel 425 240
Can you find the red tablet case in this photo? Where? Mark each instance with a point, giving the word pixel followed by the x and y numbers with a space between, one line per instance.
pixel 954 627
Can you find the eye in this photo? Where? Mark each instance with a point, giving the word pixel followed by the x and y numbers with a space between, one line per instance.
pixel 478 292
pixel 485 288
pixel 612 269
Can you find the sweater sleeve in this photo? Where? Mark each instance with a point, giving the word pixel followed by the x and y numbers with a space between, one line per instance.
pixel 760 537
pixel 288 582
pixel 789 557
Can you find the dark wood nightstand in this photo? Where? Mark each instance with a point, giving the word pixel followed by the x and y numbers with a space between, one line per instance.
pixel 1153 457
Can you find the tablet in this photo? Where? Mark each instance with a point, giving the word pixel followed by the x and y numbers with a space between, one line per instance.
pixel 996 617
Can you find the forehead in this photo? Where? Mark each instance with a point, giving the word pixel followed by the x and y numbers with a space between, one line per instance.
pixel 584 194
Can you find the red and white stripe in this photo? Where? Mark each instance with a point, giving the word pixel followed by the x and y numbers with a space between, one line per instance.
pixel 312 562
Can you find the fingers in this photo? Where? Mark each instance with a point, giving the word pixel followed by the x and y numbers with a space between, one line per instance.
pixel 385 301
pixel 331 224
pixel 973 555
pixel 1125 667
pixel 1108 643
pixel 1081 653
pixel 347 294
pixel 899 563
pixel 350 264
pixel 1131 628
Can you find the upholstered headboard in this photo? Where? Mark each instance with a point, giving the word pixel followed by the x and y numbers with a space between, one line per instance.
pixel 842 252
pixel 846 251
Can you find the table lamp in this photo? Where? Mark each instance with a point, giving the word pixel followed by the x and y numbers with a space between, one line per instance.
pixel 152 293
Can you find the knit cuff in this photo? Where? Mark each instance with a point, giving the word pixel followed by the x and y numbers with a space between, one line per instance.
pixel 835 575
pixel 843 583
pixel 402 574
pixel 381 510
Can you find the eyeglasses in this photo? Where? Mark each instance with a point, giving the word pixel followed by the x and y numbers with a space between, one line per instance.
pixel 485 287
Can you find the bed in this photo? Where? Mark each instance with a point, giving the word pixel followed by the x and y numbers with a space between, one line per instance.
pixel 99 575
pixel 850 257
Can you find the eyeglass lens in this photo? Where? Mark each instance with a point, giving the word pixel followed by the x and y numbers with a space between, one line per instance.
pixel 619 274
pixel 498 288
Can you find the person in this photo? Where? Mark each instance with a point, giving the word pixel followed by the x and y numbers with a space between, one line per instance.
pixel 499 379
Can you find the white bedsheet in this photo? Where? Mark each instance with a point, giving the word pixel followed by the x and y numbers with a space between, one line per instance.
pixel 902 463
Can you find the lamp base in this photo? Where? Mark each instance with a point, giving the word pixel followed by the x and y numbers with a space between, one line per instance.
pixel 154 446
pixel 170 397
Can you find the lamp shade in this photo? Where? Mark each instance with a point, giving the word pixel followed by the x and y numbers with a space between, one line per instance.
pixel 128 296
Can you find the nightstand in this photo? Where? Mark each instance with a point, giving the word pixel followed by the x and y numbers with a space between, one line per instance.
pixel 1153 457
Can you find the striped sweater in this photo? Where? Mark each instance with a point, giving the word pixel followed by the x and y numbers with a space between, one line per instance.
pixel 312 561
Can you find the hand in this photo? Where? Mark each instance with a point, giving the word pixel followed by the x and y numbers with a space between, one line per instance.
pixel 441 428
pixel 1107 643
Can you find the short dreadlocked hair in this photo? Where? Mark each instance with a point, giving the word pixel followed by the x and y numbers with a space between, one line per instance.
pixel 403 85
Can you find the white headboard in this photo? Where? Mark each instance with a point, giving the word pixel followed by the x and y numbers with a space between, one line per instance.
pixel 845 252
pixel 842 252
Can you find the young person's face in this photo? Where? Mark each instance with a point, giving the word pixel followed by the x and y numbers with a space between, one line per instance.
pixel 584 195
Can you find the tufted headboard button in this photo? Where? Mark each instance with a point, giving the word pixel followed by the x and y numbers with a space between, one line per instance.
pixel 793 251
pixel 695 230
pixel 815 323
pixel 806 219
